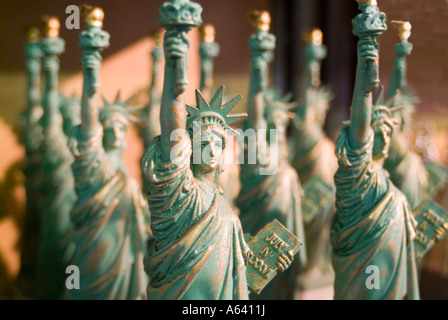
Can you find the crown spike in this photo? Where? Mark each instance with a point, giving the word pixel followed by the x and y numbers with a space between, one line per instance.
pixel 217 97
pixel 234 117
pixel 201 100
pixel 106 102
pixel 229 105
pixel 117 98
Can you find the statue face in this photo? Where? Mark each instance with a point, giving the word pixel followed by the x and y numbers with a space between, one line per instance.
pixel 114 135
pixel 277 121
pixel 381 142
pixel 320 112
pixel 211 152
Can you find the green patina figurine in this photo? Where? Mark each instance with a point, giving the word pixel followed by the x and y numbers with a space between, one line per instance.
pixel 407 168
pixel 108 216
pixel 314 159
pixel 56 249
pixel 31 131
pixel 270 188
pixel 150 115
pixel 199 248
pixel 373 227
pixel 313 152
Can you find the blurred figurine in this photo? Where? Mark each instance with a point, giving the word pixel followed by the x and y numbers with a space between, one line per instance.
pixel 314 159
pixel 373 230
pixel 313 151
pixel 56 248
pixel 108 216
pixel 406 167
pixel 270 188
pixel 199 248
pixel 32 139
pixel 150 115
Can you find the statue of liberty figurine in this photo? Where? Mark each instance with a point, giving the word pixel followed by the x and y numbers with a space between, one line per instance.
pixel 199 248
pixel 270 187
pixel 108 216
pixel 56 248
pixel 406 167
pixel 313 152
pixel 313 157
pixel 31 131
pixel 373 228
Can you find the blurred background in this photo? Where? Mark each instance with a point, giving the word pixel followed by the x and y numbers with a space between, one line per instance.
pixel 127 67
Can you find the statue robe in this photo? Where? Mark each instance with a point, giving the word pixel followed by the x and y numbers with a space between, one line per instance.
pixel 198 250
pixel 276 195
pixel 109 230
pixel 56 248
pixel 315 158
pixel 373 226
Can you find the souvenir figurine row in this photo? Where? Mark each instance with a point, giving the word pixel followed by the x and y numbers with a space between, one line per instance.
pixel 294 212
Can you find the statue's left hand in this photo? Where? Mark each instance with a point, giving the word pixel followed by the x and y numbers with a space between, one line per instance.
pixel 285 261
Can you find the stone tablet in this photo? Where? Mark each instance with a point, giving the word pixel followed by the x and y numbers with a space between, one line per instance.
pixel 432 226
pixel 317 197
pixel 265 248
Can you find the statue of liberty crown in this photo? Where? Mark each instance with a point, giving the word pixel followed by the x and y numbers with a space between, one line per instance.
pixel 121 108
pixel 214 115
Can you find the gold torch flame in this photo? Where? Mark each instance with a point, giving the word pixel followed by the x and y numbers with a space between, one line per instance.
pixel 261 20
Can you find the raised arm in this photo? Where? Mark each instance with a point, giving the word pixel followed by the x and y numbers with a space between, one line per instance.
pixel 208 50
pixel 403 49
pixel 177 17
pixel 262 44
pixel 51 46
pixel 33 55
pixel 315 52
pixel 93 41
pixel 367 26
pixel 157 55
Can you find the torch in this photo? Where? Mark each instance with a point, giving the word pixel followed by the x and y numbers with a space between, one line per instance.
pixel 369 25
pixel 180 16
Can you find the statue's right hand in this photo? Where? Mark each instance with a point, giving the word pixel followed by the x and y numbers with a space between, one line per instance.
pixel 367 51
pixel 175 45
pixel 91 60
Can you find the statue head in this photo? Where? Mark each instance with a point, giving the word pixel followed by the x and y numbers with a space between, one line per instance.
pixel 403 103
pixel 207 125
pixel 318 101
pixel 115 118
pixel 70 108
pixel 277 112
pixel 383 124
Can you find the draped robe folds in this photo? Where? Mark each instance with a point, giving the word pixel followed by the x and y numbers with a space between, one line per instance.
pixel 109 230
pixel 56 248
pixel 198 250
pixel 408 172
pixel 373 227
pixel 315 158
pixel 276 195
